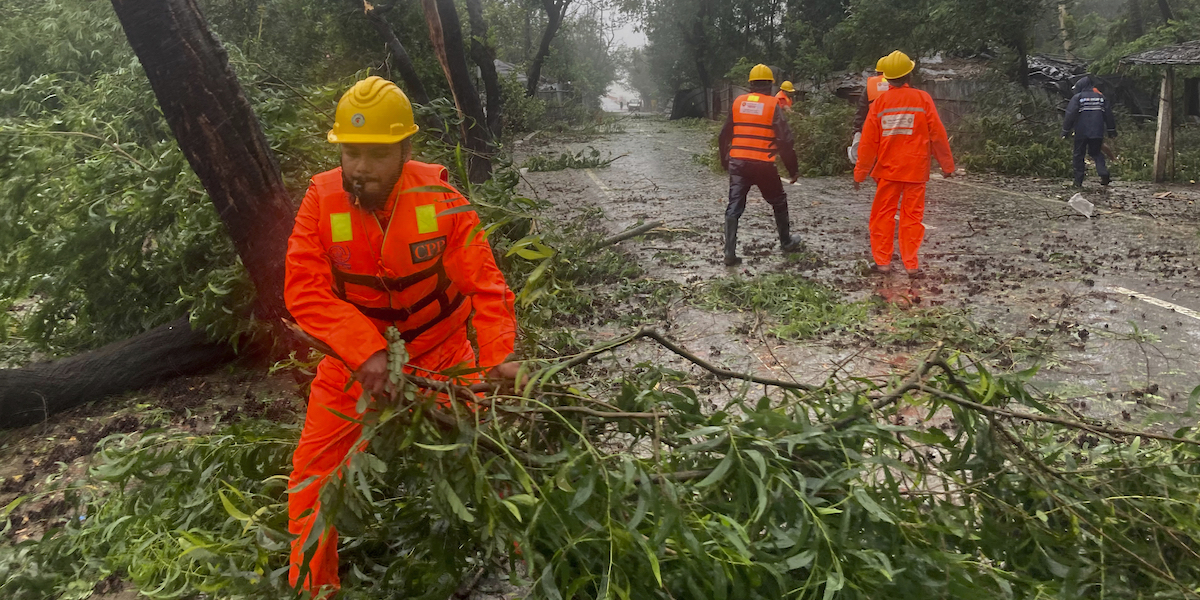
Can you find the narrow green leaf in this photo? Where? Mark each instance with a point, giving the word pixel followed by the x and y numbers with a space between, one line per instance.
pixel 718 473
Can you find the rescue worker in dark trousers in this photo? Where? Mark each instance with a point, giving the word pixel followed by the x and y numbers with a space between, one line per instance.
pixel 757 132
pixel 1089 115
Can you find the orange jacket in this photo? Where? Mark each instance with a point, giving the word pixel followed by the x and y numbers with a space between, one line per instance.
pixel 753 118
pixel 351 273
pixel 900 129
pixel 784 99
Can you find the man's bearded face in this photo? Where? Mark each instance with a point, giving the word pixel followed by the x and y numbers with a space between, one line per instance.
pixel 370 171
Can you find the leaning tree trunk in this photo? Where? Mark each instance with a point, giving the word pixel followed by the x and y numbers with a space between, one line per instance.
pixel 219 134
pixel 556 10
pixel 485 58
pixel 222 140
pixel 445 33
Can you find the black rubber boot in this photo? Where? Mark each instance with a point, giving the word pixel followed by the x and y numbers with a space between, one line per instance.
pixel 731 257
pixel 786 242
pixel 1105 180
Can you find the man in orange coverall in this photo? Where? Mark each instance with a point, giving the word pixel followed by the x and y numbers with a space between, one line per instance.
pixel 373 247
pixel 900 129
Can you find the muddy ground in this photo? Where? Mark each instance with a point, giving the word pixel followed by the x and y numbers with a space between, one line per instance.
pixel 1008 251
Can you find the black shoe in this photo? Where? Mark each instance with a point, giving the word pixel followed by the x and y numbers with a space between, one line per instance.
pixel 1105 180
pixel 915 273
pixel 794 245
pixel 733 261
pixel 882 269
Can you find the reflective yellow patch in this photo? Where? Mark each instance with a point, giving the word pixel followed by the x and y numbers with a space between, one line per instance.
pixel 427 219
pixel 342 230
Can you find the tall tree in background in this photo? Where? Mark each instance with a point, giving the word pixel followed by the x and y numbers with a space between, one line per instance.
pixel 556 12
pixel 408 71
pixel 446 34
pixel 484 56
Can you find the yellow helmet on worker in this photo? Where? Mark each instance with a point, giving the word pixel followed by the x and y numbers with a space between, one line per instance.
pixel 879 64
pixel 373 111
pixel 787 87
pixel 896 65
pixel 761 72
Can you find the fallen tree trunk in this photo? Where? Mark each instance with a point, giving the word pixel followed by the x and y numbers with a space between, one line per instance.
pixel 31 394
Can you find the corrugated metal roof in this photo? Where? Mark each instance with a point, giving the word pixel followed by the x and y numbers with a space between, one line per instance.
pixel 1187 53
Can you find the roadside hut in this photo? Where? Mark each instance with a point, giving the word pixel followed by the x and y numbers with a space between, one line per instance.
pixel 1186 54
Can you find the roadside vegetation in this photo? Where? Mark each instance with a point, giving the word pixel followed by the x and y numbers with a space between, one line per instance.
pixel 608 475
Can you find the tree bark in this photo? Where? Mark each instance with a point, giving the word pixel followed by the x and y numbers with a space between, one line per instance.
pixel 485 58
pixel 408 72
pixel 30 395
pixel 446 35
pixel 1165 9
pixel 219 134
pixel 1021 46
pixel 556 10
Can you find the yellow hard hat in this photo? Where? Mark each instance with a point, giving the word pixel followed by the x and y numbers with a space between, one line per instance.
pixel 896 65
pixel 373 111
pixel 761 73
pixel 879 64
pixel 787 87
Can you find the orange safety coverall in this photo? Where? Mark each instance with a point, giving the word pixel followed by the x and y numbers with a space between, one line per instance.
pixel 900 130
pixel 350 274
pixel 784 99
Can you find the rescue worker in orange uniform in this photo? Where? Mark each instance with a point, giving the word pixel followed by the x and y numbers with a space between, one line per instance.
pixel 755 133
pixel 876 85
pixel 784 96
pixel 371 249
pixel 901 128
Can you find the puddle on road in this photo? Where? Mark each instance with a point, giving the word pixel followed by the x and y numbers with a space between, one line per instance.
pixel 1021 260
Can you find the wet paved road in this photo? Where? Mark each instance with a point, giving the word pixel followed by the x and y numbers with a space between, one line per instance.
pixel 1119 291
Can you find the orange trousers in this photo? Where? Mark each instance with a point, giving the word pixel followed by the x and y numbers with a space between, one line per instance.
pixel 326 443
pixel 910 199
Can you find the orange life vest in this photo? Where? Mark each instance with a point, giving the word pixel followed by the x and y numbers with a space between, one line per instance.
pixel 876 86
pixel 395 276
pixel 753 129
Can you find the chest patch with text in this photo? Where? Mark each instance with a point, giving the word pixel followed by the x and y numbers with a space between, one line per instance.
pixel 427 250
pixel 752 108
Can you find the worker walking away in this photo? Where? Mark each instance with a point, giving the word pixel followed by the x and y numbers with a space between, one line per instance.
pixel 755 133
pixel 381 241
pixel 1089 115
pixel 786 89
pixel 900 129
pixel 876 85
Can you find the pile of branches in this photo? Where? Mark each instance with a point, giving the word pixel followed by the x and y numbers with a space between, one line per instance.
pixel 637 487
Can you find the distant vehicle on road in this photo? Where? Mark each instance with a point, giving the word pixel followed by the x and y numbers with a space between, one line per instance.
pixel 634 105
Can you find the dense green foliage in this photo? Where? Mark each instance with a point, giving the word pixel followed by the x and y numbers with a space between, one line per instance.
pixel 91 164
pixel 642 490
pixel 693 43
pixel 821 126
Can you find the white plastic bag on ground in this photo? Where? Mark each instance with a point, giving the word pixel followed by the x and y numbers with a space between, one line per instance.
pixel 1079 203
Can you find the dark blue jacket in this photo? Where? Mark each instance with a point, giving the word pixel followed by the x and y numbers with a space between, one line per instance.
pixel 1089 114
